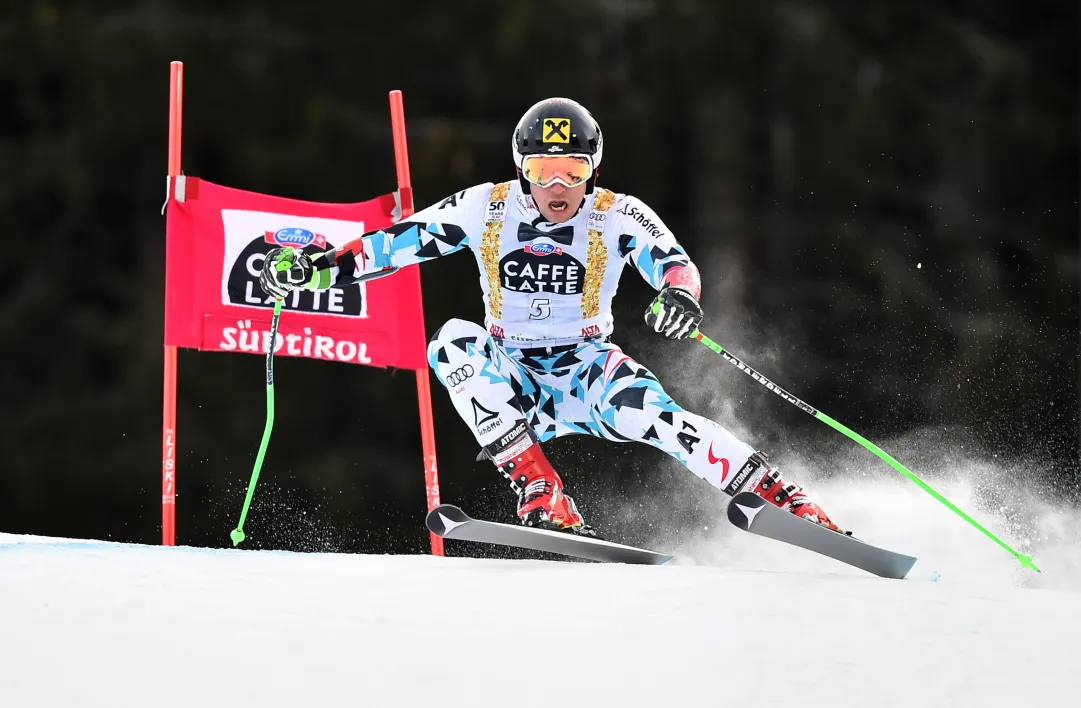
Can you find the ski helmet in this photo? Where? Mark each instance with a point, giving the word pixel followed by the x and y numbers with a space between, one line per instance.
pixel 557 126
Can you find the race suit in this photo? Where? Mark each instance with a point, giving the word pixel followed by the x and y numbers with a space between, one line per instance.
pixel 543 353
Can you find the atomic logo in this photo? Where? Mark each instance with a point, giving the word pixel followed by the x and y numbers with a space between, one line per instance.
pixel 749 512
pixel 449 525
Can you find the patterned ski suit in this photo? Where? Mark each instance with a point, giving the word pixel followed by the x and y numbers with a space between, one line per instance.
pixel 543 353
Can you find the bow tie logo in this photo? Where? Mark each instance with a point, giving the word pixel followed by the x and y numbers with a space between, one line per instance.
pixel 560 234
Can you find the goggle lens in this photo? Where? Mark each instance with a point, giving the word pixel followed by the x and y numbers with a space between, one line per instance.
pixel 569 170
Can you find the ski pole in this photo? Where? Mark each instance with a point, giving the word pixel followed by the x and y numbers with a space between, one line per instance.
pixel 1025 561
pixel 237 534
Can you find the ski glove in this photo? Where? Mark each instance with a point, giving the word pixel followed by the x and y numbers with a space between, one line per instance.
pixel 284 270
pixel 675 313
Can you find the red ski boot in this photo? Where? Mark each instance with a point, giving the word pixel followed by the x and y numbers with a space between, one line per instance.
pixel 789 497
pixel 541 501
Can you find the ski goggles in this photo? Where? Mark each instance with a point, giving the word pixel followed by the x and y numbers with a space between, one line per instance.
pixel 568 170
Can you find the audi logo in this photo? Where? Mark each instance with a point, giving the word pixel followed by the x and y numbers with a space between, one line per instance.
pixel 459 375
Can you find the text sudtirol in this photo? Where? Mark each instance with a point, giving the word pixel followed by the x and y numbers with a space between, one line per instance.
pixel 244 337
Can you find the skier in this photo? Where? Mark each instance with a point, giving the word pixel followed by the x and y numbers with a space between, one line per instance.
pixel 550 246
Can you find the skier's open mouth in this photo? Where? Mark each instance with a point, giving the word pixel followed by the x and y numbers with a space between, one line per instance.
pixel 558 206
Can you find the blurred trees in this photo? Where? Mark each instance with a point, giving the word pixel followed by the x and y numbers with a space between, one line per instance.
pixel 882 198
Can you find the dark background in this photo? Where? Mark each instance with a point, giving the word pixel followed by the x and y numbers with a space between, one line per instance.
pixel 882 197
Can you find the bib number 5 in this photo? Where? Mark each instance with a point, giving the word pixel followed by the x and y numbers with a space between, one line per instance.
pixel 540 309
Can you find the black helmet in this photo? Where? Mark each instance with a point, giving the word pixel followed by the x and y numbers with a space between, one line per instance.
pixel 558 126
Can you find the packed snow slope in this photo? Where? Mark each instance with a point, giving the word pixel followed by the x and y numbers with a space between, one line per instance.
pixel 99 624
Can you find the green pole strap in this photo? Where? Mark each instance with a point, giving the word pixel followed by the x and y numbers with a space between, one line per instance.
pixel 237 534
pixel 1025 561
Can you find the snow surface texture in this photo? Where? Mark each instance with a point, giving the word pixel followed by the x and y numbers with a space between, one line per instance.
pixel 87 624
pixel 734 621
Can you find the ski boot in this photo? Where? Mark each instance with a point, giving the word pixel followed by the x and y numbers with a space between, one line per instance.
pixel 790 497
pixel 541 501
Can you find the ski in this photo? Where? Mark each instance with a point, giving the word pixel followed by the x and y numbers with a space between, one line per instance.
pixel 449 521
pixel 752 513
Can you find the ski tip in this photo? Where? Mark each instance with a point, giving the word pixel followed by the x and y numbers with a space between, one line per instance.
pixel 743 508
pixel 445 518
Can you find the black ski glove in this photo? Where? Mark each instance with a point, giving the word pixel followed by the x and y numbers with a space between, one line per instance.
pixel 675 313
pixel 284 270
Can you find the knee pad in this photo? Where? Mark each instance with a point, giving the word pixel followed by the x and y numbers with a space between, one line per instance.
pixel 454 331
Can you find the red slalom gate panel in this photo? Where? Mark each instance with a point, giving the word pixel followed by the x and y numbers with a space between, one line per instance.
pixel 216 238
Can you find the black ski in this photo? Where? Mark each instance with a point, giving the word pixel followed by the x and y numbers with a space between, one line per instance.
pixel 752 513
pixel 448 521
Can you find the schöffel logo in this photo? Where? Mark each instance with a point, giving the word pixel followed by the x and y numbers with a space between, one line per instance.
pixel 295 237
pixel 543 249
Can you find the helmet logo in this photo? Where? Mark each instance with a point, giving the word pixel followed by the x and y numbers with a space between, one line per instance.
pixel 556 130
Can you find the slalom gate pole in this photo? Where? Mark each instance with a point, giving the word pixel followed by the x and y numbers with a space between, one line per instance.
pixel 1024 560
pixel 237 534
pixel 169 371
pixel 424 391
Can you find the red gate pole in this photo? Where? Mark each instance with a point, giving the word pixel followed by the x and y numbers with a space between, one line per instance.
pixel 424 392
pixel 168 414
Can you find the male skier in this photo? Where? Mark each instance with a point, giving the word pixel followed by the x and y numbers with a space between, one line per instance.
pixel 550 246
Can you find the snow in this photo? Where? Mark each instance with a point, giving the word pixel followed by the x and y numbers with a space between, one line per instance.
pixel 87 623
